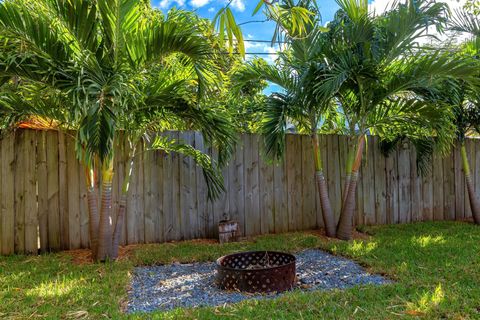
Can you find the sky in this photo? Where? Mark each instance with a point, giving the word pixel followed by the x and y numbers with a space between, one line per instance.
pixel 243 9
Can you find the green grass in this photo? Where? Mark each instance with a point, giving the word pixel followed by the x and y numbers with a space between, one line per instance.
pixel 436 267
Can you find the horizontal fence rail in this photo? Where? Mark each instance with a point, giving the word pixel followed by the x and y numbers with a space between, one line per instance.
pixel 44 207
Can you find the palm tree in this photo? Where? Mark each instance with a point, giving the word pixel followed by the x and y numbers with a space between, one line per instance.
pixel 295 73
pixel 114 63
pixel 375 64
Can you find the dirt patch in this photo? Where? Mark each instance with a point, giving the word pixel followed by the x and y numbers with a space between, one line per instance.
pixel 84 256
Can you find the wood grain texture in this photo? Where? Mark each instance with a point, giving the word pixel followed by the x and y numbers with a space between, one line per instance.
pixel 43 190
pixel 42 181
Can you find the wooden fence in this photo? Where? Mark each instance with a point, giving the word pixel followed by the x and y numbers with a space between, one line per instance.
pixel 43 193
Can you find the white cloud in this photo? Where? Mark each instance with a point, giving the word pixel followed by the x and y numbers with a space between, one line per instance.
pixel 199 3
pixel 378 7
pixel 238 4
pixel 165 4
pixel 212 9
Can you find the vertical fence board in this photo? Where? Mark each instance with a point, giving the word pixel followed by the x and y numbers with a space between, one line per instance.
pixel 84 231
pixel 459 183
pixel 470 146
pixel 19 213
pixel 149 196
pixel 202 206
pixel 308 184
pixel 392 187
pixel 53 191
pixel 8 195
pixel 416 187
pixel 368 181
pixel 404 184
pixel 168 162
pixel 237 186
pixel 334 187
pixel 252 198
pixel 42 176
pixel 380 183
pixel 63 190
pixel 266 196
pixel 187 190
pixel 427 193
pixel 323 152
pixel 280 195
pixel 449 203
pixel 437 171
pixel 73 194
pixel 31 208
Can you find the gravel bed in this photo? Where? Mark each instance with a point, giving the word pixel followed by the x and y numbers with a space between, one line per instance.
pixel 191 285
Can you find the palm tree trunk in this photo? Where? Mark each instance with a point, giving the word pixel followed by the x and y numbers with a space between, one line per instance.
pixel 122 207
pixel 474 203
pixel 328 218
pixel 93 215
pixel 105 224
pixel 345 226
pixel 348 176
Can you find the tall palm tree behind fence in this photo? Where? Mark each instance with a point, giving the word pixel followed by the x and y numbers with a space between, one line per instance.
pixel 44 204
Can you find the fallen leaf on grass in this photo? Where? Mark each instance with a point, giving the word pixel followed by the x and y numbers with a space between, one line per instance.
pixel 414 313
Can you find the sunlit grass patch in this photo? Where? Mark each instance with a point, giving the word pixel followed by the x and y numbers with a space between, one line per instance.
pixel 425 241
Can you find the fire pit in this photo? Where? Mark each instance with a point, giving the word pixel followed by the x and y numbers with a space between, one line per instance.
pixel 256 271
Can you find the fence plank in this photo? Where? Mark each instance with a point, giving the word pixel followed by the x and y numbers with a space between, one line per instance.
pixel 157 189
pixel 53 191
pixel 73 194
pixel 63 191
pixel 416 187
pixel 437 172
pixel 140 200
pixel 187 191
pixel 84 231
pixel 308 184
pixel 252 198
pixel 333 176
pixel 427 193
pixel 266 196
pixel 201 192
pixel 8 195
pixel 149 174
pixel 237 186
pixel 391 163
pixel 380 183
pixel 470 146
pixel 404 184
pixel 19 212
pixel 368 181
pixel 449 203
pixel 322 139
pixel 31 208
pixel 459 180
pixel 280 195
pixel 42 176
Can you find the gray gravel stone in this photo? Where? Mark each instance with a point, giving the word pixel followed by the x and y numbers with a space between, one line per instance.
pixel 191 285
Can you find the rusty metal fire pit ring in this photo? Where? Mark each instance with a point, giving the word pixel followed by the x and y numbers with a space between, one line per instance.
pixel 256 271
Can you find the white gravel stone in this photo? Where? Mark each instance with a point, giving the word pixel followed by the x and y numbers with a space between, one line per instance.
pixel 167 287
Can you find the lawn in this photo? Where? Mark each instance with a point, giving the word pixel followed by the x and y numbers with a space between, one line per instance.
pixel 436 268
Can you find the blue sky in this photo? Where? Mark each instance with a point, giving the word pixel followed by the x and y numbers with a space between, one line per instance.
pixel 243 13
